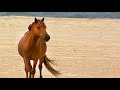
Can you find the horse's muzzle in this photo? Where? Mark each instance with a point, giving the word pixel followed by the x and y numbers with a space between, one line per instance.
pixel 47 38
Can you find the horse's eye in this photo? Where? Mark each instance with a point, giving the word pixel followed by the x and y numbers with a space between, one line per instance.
pixel 38 27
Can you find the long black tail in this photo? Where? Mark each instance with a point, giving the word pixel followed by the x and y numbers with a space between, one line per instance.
pixel 48 66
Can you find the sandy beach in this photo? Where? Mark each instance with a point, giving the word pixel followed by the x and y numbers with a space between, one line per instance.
pixel 81 47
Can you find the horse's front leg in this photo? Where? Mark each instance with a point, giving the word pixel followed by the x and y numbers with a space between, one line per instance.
pixel 28 67
pixel 40 66
pixel 34 66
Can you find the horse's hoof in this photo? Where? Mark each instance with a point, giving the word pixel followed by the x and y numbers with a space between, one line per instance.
pixel 41 76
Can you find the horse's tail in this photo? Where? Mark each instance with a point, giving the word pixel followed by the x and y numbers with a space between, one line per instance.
pixel 48 66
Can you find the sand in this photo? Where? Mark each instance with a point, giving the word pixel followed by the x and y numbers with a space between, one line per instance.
pixel 81 47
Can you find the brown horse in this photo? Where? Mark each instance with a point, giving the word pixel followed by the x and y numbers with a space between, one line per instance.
pixel 32 46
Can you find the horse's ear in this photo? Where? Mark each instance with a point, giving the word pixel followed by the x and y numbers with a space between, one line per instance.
pixel 43 19
pixel 29 28
pixel 35 20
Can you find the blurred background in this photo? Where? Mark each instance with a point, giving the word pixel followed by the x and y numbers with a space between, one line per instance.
pixel 65 14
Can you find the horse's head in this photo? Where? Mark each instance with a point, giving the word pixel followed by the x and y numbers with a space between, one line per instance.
pixel 38 27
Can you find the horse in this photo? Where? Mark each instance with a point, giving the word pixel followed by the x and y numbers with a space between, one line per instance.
pixel 32 46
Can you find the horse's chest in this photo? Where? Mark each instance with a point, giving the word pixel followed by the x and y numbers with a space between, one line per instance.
pixel 38 51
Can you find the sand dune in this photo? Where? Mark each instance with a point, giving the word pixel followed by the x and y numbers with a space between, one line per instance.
pixel 81 47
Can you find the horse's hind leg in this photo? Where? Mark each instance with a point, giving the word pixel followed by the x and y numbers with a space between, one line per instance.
pixel 40 66
pixel 28 67
pixel 34 66
pixel 40 69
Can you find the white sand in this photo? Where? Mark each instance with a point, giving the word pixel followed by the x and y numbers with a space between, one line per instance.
pixel 82 48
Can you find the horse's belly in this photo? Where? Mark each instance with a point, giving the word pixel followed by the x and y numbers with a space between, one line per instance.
pixel 38 55
pixel 39 52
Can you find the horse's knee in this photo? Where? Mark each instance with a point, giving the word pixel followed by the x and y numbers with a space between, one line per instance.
pixel 40 66
pixel 33 72
pixel 28 68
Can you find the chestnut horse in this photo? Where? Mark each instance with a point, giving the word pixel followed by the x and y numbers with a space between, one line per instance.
pixel 33 46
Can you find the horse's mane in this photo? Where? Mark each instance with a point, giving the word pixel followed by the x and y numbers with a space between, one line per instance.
pixel 30 26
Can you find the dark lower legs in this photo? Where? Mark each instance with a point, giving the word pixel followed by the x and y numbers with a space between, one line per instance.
pixel 40 69
pixel 28 68
pixel 30 71
pixel 40 66
pixel 33 69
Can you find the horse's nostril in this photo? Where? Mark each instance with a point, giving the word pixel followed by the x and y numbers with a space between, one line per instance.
pixel 47 38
